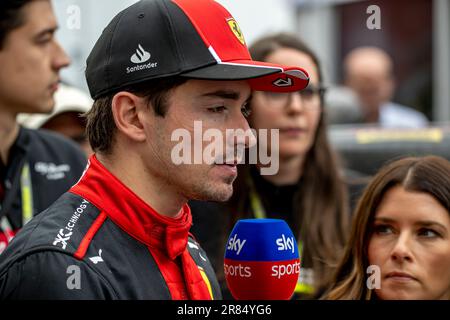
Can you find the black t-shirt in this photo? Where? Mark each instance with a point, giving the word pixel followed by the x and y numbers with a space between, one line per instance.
pixel 42 165
pixel 278 201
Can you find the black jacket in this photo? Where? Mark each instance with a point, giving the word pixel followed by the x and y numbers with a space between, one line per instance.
pixel 42 165
pixel 100 241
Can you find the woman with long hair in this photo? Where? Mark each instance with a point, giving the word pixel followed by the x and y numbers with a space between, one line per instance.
pixel 399 246
pixel 308 190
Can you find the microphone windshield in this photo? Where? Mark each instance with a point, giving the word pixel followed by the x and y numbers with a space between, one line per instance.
pixel 261 260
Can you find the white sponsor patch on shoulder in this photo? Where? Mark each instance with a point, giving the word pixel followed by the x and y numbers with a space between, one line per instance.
pixel 65 233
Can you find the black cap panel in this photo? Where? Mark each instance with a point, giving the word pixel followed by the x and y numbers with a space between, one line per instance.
pixel 97 75
pixel 193 51
pixel 139 45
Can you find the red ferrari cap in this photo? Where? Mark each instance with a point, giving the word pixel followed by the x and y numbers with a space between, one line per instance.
pixel 197 39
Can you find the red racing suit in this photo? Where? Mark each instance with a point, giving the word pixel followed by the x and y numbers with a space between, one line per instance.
pixel 101 241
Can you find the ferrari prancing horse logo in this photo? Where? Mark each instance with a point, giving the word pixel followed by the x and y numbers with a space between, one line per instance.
pixel 236 30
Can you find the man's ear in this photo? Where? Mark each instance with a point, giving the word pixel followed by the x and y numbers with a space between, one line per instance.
pixel 126 108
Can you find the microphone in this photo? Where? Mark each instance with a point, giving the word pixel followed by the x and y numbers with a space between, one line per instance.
pixel 261 260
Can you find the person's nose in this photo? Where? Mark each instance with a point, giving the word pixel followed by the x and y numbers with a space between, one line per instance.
pixel 60 59
pixel 401 251
pixel 295 103
pixel 245 137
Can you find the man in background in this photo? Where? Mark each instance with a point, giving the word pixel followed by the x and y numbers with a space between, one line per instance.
pixel 66 118
pixel 36 167
pixel 369 72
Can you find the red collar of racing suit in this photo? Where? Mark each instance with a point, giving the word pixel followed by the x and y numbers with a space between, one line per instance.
pixel 132 214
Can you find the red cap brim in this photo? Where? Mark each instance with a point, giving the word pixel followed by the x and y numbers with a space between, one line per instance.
pixel 261 76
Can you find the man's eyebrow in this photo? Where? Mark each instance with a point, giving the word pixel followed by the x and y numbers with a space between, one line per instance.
pixel 225 94
pixel 50 30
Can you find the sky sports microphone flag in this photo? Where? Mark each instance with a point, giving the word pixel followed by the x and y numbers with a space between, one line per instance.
pixel 261 260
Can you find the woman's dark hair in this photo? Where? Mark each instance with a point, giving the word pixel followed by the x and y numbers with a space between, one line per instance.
pixel 430 175
pixel 321 205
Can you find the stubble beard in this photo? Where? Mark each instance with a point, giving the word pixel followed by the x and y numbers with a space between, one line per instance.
pixel 209 191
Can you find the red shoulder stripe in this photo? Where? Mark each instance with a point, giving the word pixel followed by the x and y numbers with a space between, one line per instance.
pixel 81 251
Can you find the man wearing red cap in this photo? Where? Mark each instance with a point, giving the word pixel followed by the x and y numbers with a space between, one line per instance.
pixel 123 231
